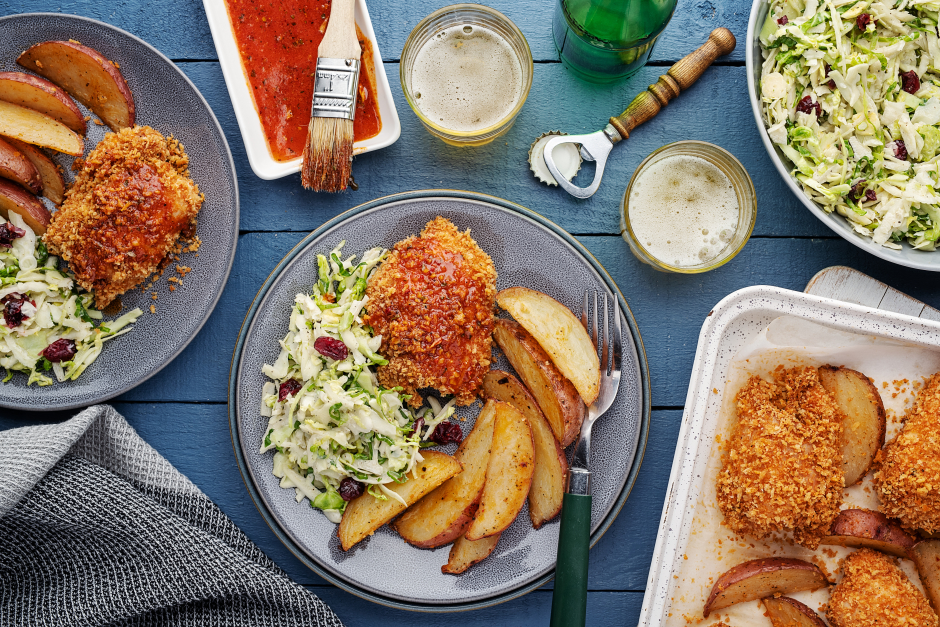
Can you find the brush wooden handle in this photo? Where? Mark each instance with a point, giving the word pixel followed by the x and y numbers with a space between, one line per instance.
pixel 680 77
pixel 340 40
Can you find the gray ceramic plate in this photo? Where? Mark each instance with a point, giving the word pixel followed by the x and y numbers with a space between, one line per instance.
pixel 527 250
pixel 166 100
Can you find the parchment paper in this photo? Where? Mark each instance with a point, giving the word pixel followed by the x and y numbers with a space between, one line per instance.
pixel 897 369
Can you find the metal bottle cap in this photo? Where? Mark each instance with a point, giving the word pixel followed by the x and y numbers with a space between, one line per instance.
pixel 566 157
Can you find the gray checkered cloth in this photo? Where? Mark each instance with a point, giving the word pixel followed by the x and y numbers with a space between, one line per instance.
pixel 97 528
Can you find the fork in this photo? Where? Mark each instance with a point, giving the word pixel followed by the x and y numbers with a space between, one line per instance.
pixel 569 598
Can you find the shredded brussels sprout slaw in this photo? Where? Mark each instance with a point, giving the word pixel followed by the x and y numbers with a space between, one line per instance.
pixel 49 309
pixel 329 418
pixel 851 95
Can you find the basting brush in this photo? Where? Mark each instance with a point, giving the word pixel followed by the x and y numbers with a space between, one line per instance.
pixel 327 164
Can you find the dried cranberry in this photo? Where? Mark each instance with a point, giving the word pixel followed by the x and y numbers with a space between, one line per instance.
pixel 13 309
pixel 418 426
pixel 862 21
pixel 60 350
pixel 831 84
pixel 349 488
pixel 910 82
pixel 900 150
pixel 871 195
pixel 447 432
pixel 783 20
pixel 806 105
pixel 329 347
pixel 288 388
pixel 858 191
pixel 8 233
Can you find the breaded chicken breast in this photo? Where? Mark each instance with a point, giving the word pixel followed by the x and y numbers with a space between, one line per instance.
pixel 874 592
pixel 432 301
pixel 126 210
pixel 909 466
pixel 782 468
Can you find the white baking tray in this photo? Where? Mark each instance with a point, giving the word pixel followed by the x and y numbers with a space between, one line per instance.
pixel 735 320
pixel 259 156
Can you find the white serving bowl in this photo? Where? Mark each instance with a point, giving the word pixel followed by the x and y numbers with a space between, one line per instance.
pixel 259 156
pixel 907 256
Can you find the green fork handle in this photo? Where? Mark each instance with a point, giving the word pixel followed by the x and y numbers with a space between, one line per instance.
pixel 569 598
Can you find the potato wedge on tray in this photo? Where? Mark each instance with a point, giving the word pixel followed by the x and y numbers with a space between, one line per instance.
pixel 508 473
pixel 787 612
pixel 559 333
pixel 761 578
pixel 36 128
pixel 16 199
pixel 926 556
pixel 366 513
pixel 465 553
pixel 444 515
pixel 551 466
pixel 864 528
pixel 53 183
pixel 15 167
pixel 556 396
pixel 39 94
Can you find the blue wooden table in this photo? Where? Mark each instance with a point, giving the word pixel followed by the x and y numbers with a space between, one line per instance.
pixel 182 410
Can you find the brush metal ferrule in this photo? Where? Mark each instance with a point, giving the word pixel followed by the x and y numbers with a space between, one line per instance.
pixel 334 88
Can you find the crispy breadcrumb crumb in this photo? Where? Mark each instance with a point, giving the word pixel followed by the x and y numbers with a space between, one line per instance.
pixel 782 470
pixel 874 592
pixel 908 478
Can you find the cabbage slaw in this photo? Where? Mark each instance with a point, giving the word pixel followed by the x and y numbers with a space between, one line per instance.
pixel 53 310
pixel 340 422
pixel 849 153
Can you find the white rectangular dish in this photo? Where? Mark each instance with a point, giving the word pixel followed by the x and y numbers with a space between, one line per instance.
pixel 730 325
pixel 259 156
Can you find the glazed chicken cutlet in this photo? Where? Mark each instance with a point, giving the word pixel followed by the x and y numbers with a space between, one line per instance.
pixel 782 470
pixel 126 211
pixel 432 301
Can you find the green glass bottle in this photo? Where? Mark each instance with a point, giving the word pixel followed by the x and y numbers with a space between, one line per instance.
pixel 608 40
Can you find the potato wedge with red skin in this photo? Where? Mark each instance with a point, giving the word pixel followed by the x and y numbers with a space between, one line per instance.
pixel 762 578
pixel 508 473
pixel 864 528
pixel 787 612
pixel 551 466
pixel 38 129
pixel 53 183
pixel 16 199
pixel 556 396
pixel 863 432
pixel 559 333
pixel 465 553
pixel 926 556
pixel 365 514
pixel 41 95
pixel 85 74
pixel 14 166
pixel 445 513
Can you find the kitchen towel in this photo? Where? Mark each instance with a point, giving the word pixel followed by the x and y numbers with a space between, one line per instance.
pixel 97 528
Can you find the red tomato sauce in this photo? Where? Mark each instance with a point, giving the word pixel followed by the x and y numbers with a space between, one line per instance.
pixel 278 42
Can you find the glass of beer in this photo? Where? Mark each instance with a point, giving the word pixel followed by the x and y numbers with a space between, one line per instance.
pixel 466 71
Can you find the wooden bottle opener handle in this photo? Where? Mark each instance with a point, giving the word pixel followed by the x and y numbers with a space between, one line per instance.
pixel 680 77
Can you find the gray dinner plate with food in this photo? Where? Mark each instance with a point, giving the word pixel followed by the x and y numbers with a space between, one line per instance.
pixel 179 302
pixel 528 251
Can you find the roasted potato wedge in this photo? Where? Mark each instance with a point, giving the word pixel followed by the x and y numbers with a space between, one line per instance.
pixel 53 183
pixel 37 128
pixel 508 474
pixel 864 429
pixel 84 73
pixel 556 396
pixel 926 556
pixel 39 94
pixel 551 466
pixel 16 199
pixel 787 612
pixel 762 578
pixel 560 333
pixel 860 528
pixel 366 513
pixel 15 167
pixel 444 514
pixel 465 553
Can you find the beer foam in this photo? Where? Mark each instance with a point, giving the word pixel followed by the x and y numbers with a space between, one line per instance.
pixel 466 78
pixel 683 210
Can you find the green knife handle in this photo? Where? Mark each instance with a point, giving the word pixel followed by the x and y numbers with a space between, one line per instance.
pixel 569 599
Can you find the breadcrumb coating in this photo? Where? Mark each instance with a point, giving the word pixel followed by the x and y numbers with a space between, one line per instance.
pixel 909 467
pixel 874 592
pixel 131 201
pixel 782 469
pixel 432 301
